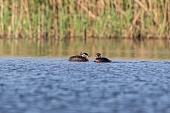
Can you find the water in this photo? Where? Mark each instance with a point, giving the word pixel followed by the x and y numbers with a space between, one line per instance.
pixel 55 85
pixel 112 48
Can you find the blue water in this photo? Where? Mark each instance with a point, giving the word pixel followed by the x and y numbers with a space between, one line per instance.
pixel 55 85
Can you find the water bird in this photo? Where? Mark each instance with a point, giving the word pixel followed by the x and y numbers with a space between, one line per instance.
pixel 101 59
pixel 83 57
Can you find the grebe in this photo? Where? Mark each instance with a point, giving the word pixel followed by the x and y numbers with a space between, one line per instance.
pixel 101 59
pixel 83 57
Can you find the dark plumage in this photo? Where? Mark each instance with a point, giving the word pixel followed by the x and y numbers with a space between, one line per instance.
pixel 101 59
pixel 83 57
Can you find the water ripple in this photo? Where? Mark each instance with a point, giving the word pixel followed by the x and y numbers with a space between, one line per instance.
pixel 42 84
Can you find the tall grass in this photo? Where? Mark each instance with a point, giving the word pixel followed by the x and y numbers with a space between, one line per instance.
pixel 88 18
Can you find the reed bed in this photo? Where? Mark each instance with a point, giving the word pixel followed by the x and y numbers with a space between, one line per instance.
pixel 84 18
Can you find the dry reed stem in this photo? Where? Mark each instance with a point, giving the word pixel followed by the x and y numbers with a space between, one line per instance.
pixel 2 18
pixel 86 10
pixel 118 8
pixel 140 4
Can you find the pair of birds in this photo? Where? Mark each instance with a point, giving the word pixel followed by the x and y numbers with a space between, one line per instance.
pixel 83 57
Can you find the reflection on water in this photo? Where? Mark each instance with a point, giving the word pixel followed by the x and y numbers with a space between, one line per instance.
pixel 113 48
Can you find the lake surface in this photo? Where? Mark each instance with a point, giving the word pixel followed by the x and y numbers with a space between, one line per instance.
pixel 112 48
pixel 36 76
pixel 55 85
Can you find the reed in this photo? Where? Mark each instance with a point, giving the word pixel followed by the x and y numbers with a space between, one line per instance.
pixel 84 18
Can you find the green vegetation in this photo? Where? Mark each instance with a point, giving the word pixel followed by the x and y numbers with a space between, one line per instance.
pixel 90 18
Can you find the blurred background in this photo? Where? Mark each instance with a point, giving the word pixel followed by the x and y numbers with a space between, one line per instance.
pixel 116 28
